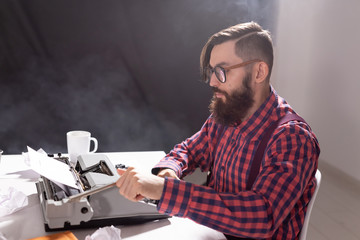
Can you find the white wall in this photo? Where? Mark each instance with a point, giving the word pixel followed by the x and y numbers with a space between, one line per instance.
pixel 317 69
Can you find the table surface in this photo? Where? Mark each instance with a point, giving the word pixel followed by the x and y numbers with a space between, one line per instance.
pixel 13 172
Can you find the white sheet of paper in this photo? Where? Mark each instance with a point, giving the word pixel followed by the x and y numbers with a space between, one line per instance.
pixel 51 168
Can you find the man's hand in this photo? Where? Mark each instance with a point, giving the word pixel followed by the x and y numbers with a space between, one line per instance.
pixel 134 185
pixel 167 172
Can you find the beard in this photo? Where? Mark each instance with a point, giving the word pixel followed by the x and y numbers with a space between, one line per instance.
pixel 236 105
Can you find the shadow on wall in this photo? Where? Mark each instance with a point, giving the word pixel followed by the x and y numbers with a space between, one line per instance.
pixel 127 71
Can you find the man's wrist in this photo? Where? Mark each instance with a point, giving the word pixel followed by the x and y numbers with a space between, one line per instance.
pixel 167 172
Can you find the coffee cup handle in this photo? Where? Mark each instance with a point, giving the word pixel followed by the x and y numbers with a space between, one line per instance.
pixel 95 144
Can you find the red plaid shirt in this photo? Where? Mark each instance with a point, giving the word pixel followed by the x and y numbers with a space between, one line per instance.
pixel 275 207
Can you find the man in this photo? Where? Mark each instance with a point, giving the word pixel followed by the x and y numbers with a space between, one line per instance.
pixel 237 63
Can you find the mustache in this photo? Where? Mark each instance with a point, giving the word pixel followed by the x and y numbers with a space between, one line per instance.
pixel 217 90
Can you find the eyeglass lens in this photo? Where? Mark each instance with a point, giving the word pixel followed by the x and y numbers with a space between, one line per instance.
pixel 219 73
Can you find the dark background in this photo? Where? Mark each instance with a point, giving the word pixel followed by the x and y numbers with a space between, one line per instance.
pixel 125 70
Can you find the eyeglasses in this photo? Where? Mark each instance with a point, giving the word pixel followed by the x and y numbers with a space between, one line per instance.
pixel 220 72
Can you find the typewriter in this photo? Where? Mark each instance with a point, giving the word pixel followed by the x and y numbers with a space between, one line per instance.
pixel 108 207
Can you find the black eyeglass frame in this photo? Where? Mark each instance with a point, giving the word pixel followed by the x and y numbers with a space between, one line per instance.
pixel 209 70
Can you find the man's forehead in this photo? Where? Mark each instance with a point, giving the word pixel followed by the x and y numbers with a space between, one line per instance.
pixel 224 54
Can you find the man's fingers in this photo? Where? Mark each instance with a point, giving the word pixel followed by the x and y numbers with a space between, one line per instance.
pixel 122 180
pixel 126 183
pixel 121 171
pixel 139 197
pixel 134 185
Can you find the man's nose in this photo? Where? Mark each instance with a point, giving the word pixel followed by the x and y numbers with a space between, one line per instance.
pixel 214 82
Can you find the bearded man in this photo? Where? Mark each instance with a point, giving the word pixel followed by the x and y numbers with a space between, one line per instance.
pixel 236 62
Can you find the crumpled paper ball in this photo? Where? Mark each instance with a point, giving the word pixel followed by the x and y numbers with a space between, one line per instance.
pixel 105 233
pixel 2 237
pixel 11 200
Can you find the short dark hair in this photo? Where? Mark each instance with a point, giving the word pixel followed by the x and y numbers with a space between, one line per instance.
pixel 253 42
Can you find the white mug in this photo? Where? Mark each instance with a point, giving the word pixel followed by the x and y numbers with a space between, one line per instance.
pixel 78 142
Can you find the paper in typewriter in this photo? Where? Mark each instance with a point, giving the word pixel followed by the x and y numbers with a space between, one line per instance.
pixel 51 168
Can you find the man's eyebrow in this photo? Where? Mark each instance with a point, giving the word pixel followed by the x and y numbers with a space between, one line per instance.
pixel 219 64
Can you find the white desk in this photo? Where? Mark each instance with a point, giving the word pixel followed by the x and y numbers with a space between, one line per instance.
pixel 28 222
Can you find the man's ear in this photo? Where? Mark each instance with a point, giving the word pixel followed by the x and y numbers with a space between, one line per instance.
pixel 261 72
